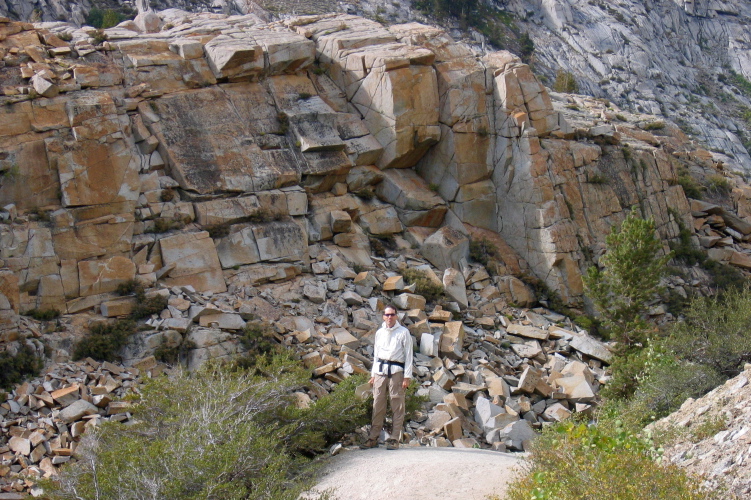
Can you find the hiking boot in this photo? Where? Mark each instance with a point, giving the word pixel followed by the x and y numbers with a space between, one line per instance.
pixel 392 444
pixel 370 443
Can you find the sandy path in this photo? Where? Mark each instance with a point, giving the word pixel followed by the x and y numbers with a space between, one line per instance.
pixel 417 474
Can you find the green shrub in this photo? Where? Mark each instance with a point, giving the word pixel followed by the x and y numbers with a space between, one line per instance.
pixel 283 120
pixel 104 340
pixel 565 82
pixel 654 126
pixel 668 381
pixel 526 46
pixel 597 178
pixel 165 224
pixel 692 188
pixel 708 427
pixel 719 185
pixel 573 461
pixel 620 117
pixel 99 36
pixel 167 195
pixel 714 332
pixel 423 284
pixel 218 230
pixel 724 277
pixel 146 306
pixel 215 433
pixel 14 368
pixel 482 251
pixel 258 339
pixel 129 287
pixel 43 314
pixel 380 245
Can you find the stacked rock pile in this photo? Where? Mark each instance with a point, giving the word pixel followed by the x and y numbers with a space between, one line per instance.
pixel 43 419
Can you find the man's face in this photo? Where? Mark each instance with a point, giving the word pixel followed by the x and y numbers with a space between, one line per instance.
pixel 389 316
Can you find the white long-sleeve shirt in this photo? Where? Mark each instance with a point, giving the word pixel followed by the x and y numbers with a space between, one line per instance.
pixel 392 344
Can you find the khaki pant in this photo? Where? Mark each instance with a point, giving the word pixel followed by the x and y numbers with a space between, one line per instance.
pixel 382 385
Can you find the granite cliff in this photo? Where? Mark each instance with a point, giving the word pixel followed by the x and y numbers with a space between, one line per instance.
pixel 242 168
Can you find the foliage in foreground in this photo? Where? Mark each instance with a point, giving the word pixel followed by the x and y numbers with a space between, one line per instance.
pixel 573 461
pixel 217 433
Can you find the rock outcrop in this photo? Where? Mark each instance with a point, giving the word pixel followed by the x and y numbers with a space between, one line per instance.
pixel 220 121
pixel 716 430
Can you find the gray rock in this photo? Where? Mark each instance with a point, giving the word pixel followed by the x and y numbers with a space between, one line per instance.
pixel 77 410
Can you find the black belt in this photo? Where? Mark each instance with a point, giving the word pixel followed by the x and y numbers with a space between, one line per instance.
pixel 389 363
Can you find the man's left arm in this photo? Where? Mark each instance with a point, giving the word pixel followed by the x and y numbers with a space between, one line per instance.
pixel 408 355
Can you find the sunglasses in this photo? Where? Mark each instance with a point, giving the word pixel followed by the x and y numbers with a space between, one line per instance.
pixel 389 314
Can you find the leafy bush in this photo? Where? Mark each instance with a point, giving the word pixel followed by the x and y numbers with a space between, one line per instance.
pixel 565 82
pixel 715 333
pixel 103 19
pixel 482 251
pixel 724 277
pixel 129 287
pixel 526 46
pixel 366 194
pixel 708 427
pixel 16 367
pixel 43 314
pixel 668 381
pixel 573 461
pixel 719 185
pixel 597 178
pixel 216 433
pixel 654 126
pixel 145 305
pixel 165 224
pixel 423 284
pixel 104 340
pixel 258 338
pixel 692 188
pixel 381 244
pixel 218 230
pixel 620 294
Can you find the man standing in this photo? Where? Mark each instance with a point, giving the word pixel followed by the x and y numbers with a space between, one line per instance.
pixel 391 374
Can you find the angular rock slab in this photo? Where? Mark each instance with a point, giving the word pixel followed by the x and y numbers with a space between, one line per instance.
pixel 445 248
pixel 196 262
pixel 211 139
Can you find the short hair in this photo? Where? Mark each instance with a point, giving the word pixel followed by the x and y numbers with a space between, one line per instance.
pixel 389 306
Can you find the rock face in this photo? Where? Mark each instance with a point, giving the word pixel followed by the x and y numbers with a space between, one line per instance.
pixel 720 457
pixel 226 124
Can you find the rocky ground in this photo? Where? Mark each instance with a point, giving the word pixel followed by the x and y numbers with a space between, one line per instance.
pixel 714 439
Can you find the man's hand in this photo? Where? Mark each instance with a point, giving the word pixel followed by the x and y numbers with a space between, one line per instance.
pixel 371 381
pixel 405 383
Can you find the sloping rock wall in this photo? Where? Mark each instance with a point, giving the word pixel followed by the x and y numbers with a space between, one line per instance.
pixel 257 132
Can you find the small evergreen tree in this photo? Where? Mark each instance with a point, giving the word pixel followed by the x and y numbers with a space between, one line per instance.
pixel 632 267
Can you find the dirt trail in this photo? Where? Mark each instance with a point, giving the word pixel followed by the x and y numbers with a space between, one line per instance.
pixel 418 474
